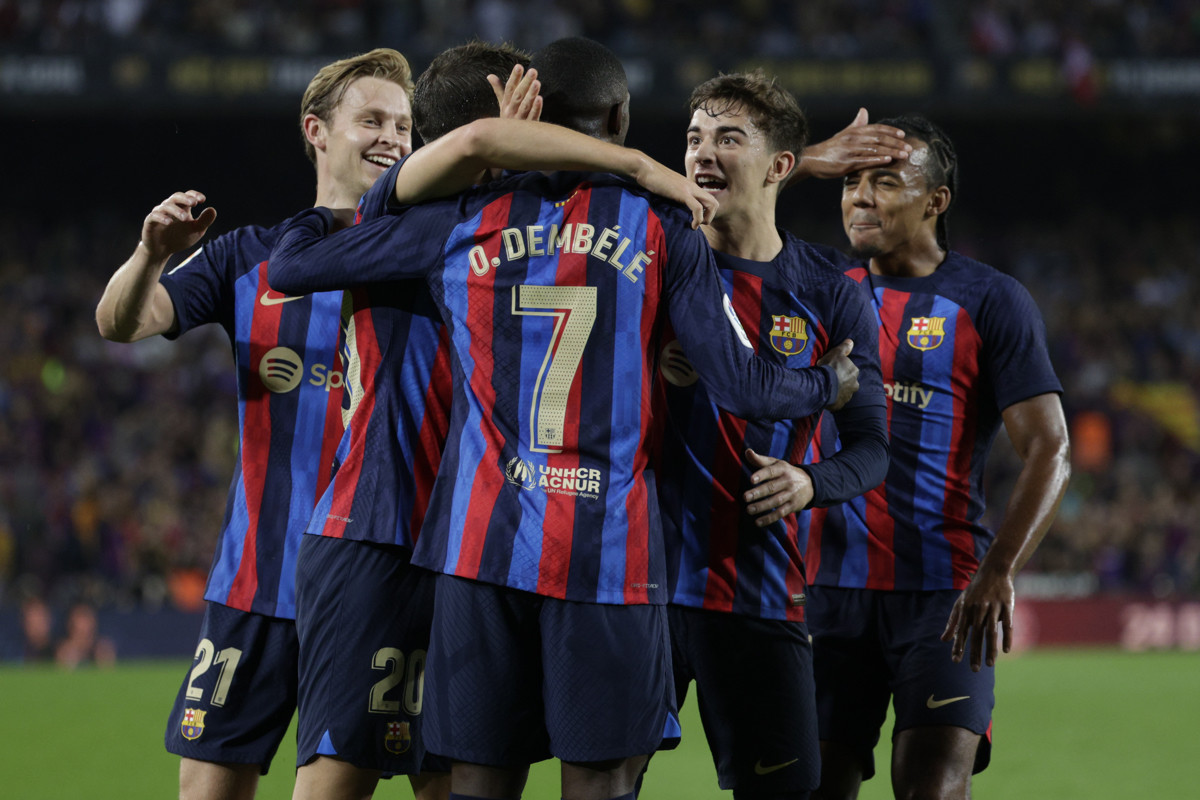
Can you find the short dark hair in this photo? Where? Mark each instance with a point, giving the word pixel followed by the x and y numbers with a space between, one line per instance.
pixel 771 107
pixel 941 169
pixel 581 81
pixel 453 90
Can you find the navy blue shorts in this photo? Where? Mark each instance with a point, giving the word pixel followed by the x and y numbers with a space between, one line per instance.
pixel 515 678
pixel 363 614
pixel 237 700
pixel 870 646
pixel 754 685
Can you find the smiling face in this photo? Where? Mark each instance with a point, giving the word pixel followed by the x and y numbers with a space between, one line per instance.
pixel 728 155
pixel 892 209
pixel 365 133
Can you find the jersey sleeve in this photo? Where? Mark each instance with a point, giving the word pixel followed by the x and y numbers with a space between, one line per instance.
pixel 380 198
pixel 1014 342
pixel 718 348
pixel 201 287
pixel 854 319
pixel 307 258
pixel 862 462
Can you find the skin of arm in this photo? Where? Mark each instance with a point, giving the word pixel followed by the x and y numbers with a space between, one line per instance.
pixel 134 304
pixel 455 161
pixel 1038 431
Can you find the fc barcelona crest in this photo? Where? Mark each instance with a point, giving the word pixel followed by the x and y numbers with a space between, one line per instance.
pixel 789 335
pixel 398 738
pixel 926 333
pixel 193 723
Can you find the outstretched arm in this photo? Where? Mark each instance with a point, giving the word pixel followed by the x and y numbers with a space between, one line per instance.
pixel 453 162
pixel 134 304
pixel 857 146
pixel 1038 432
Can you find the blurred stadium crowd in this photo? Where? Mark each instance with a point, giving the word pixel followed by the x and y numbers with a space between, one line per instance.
pixel 1074 29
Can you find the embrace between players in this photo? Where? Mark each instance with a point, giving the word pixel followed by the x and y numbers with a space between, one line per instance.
pixel 578 449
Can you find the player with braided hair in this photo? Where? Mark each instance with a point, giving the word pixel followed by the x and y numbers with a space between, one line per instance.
pixel 905 576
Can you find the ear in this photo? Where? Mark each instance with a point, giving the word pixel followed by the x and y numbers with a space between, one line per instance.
pixel 314 130
pixel 782 165
pixel 617 123
pixel 939 201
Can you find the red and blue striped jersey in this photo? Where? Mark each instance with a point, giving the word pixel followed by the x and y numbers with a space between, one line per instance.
pixel 956 347
pixel 396 407
pixel 555 290
pixel 794 308
pixel 289 397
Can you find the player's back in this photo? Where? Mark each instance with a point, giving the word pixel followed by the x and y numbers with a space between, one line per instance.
pixel 289 392
pixel 555 290
pixel 554 287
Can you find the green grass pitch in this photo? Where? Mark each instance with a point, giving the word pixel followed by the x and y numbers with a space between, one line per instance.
pixel 1090 725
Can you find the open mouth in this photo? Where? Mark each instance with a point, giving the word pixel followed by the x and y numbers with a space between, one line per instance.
pixel 711 184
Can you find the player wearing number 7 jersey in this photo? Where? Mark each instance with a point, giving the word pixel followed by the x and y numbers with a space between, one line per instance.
pixel 555 290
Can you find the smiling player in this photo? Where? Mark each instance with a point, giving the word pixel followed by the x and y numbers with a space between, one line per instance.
pixel 237 701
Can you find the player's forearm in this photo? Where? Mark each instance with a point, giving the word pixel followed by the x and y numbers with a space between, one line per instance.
pixel 1031 508
pixel 131 308
pixel 455 161
pixel 862 462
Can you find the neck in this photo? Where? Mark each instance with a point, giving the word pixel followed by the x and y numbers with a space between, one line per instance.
pixel 752 236
pixel 332 193
pixel 915 259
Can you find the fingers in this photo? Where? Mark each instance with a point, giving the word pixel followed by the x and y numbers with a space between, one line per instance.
pixel 951 629
pixel 498 88
pixel 1006 623
pixel 756 460
pixel 207 217
pixel 860 119
pixel 702 205
pixel 993 643
pixel 520 99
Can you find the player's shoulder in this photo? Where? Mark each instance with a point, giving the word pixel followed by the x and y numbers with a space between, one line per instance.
pixel 251 239
pixel 967 275
pixel 232 253
pixel 815 264
pixel 853 268
pixel 605 188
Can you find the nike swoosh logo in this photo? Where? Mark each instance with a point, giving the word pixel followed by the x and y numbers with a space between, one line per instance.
pixel 268 300
pixel 759 769
pixel 931 703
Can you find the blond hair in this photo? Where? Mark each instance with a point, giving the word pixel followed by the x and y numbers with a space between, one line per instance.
pixel 325 90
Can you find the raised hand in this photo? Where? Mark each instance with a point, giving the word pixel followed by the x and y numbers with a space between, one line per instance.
pixel 857 146
pixel 170 226
pixel 519 96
